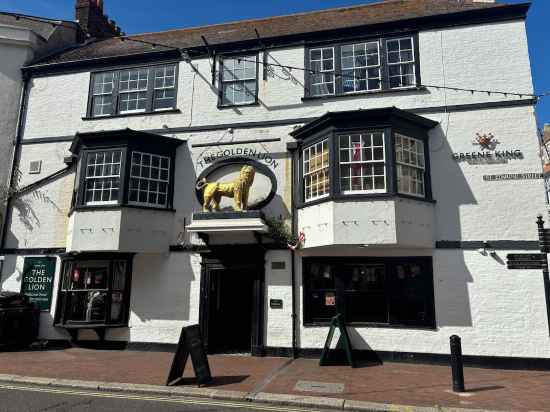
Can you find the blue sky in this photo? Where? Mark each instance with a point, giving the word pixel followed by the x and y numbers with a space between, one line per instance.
pixel 138 16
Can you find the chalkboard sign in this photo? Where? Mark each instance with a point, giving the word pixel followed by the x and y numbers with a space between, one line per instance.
pixel 337 322
pixel 190 343
pixel 37 281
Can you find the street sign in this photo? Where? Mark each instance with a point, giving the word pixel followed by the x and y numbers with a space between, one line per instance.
pixel 524 261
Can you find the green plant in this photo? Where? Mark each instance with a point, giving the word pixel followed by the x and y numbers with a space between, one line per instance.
pixel 279 231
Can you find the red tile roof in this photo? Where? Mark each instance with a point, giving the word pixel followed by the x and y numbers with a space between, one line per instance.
pixel 274 27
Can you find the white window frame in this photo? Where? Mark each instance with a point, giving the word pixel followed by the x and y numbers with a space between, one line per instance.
pixel 103 93
pixel 365 68
pixel 413 62
pixel 417 166
pixel 138 90
pixel 323 167
pixel 363 162
pixel 149 180
pixel 163 88
pixel 103 177
pixel 322 71
pixel 247 59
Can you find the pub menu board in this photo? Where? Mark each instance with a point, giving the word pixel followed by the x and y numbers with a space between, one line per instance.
pixel 37 281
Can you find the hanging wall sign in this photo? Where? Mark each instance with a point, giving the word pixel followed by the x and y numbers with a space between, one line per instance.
pixel 236 183
pixel 37 283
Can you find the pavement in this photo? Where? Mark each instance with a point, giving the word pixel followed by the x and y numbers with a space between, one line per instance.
pixel 282 381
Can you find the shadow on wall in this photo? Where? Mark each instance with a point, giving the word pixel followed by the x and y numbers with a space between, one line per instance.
pixel 185 201
pixel 161 287
pixel 451 274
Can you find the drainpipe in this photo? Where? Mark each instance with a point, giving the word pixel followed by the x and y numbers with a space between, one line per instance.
pixel 292 146
pixel 14 163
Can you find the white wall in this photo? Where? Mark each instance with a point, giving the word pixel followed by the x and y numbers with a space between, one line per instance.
pixel 165 296
pixel 474 57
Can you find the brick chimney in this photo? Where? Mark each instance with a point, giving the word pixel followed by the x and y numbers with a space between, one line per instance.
pixel 92 21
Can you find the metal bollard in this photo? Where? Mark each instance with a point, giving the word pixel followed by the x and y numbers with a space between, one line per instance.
pixel 457 365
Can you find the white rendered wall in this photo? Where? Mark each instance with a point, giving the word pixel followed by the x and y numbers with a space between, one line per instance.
pixel 165 296
pixel 278 322
pixel 474 56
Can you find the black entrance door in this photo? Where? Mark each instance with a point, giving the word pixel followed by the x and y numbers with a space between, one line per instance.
pixel 231 307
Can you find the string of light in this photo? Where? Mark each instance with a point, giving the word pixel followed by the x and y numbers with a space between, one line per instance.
pixel 352 76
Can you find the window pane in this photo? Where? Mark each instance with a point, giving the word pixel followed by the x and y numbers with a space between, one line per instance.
pixel 239 80
pixel 316 173
pixel 410 165
pixel 320 291
pixel 149 179
pixel 400 57
pixel 322 75
pixel 362 162
pixel 102 180
pixel 359 66
pixel 412 295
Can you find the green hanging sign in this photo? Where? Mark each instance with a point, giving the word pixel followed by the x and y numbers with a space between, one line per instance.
pixel 37 282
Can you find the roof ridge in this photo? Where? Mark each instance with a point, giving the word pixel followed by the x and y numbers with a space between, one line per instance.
pixel 260 19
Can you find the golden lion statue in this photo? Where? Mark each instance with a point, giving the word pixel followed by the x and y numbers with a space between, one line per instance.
pixel 238 189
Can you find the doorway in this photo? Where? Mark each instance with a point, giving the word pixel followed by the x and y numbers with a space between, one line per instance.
pixel 231 311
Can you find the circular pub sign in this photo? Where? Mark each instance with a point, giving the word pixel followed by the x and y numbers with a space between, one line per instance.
pixel 238 183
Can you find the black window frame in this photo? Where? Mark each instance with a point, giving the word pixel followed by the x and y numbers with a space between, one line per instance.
pixel 232 56
pixel 384 67
pixel 335 193
pixel 390 291
pixel 61 310
pixel 127 145
pixel 115 94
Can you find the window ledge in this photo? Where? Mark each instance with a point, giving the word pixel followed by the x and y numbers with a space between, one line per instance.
pixel 110 207
pixel 115 116
pixel 372 325
pixel 373 92
pixel 235 106
pixel 367 196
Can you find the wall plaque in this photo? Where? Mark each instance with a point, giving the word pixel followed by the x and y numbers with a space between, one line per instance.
pixel 37 283
pixel 276 303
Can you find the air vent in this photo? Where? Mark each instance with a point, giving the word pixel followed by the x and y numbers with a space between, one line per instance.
pixel 35 167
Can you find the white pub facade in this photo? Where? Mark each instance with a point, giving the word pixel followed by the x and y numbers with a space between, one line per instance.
pixel 366 170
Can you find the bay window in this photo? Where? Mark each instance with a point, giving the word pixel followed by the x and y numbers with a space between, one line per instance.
pixel 370 291
pixel 133 90
pixel 364 153
pixel 355 67
pixel 124 168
